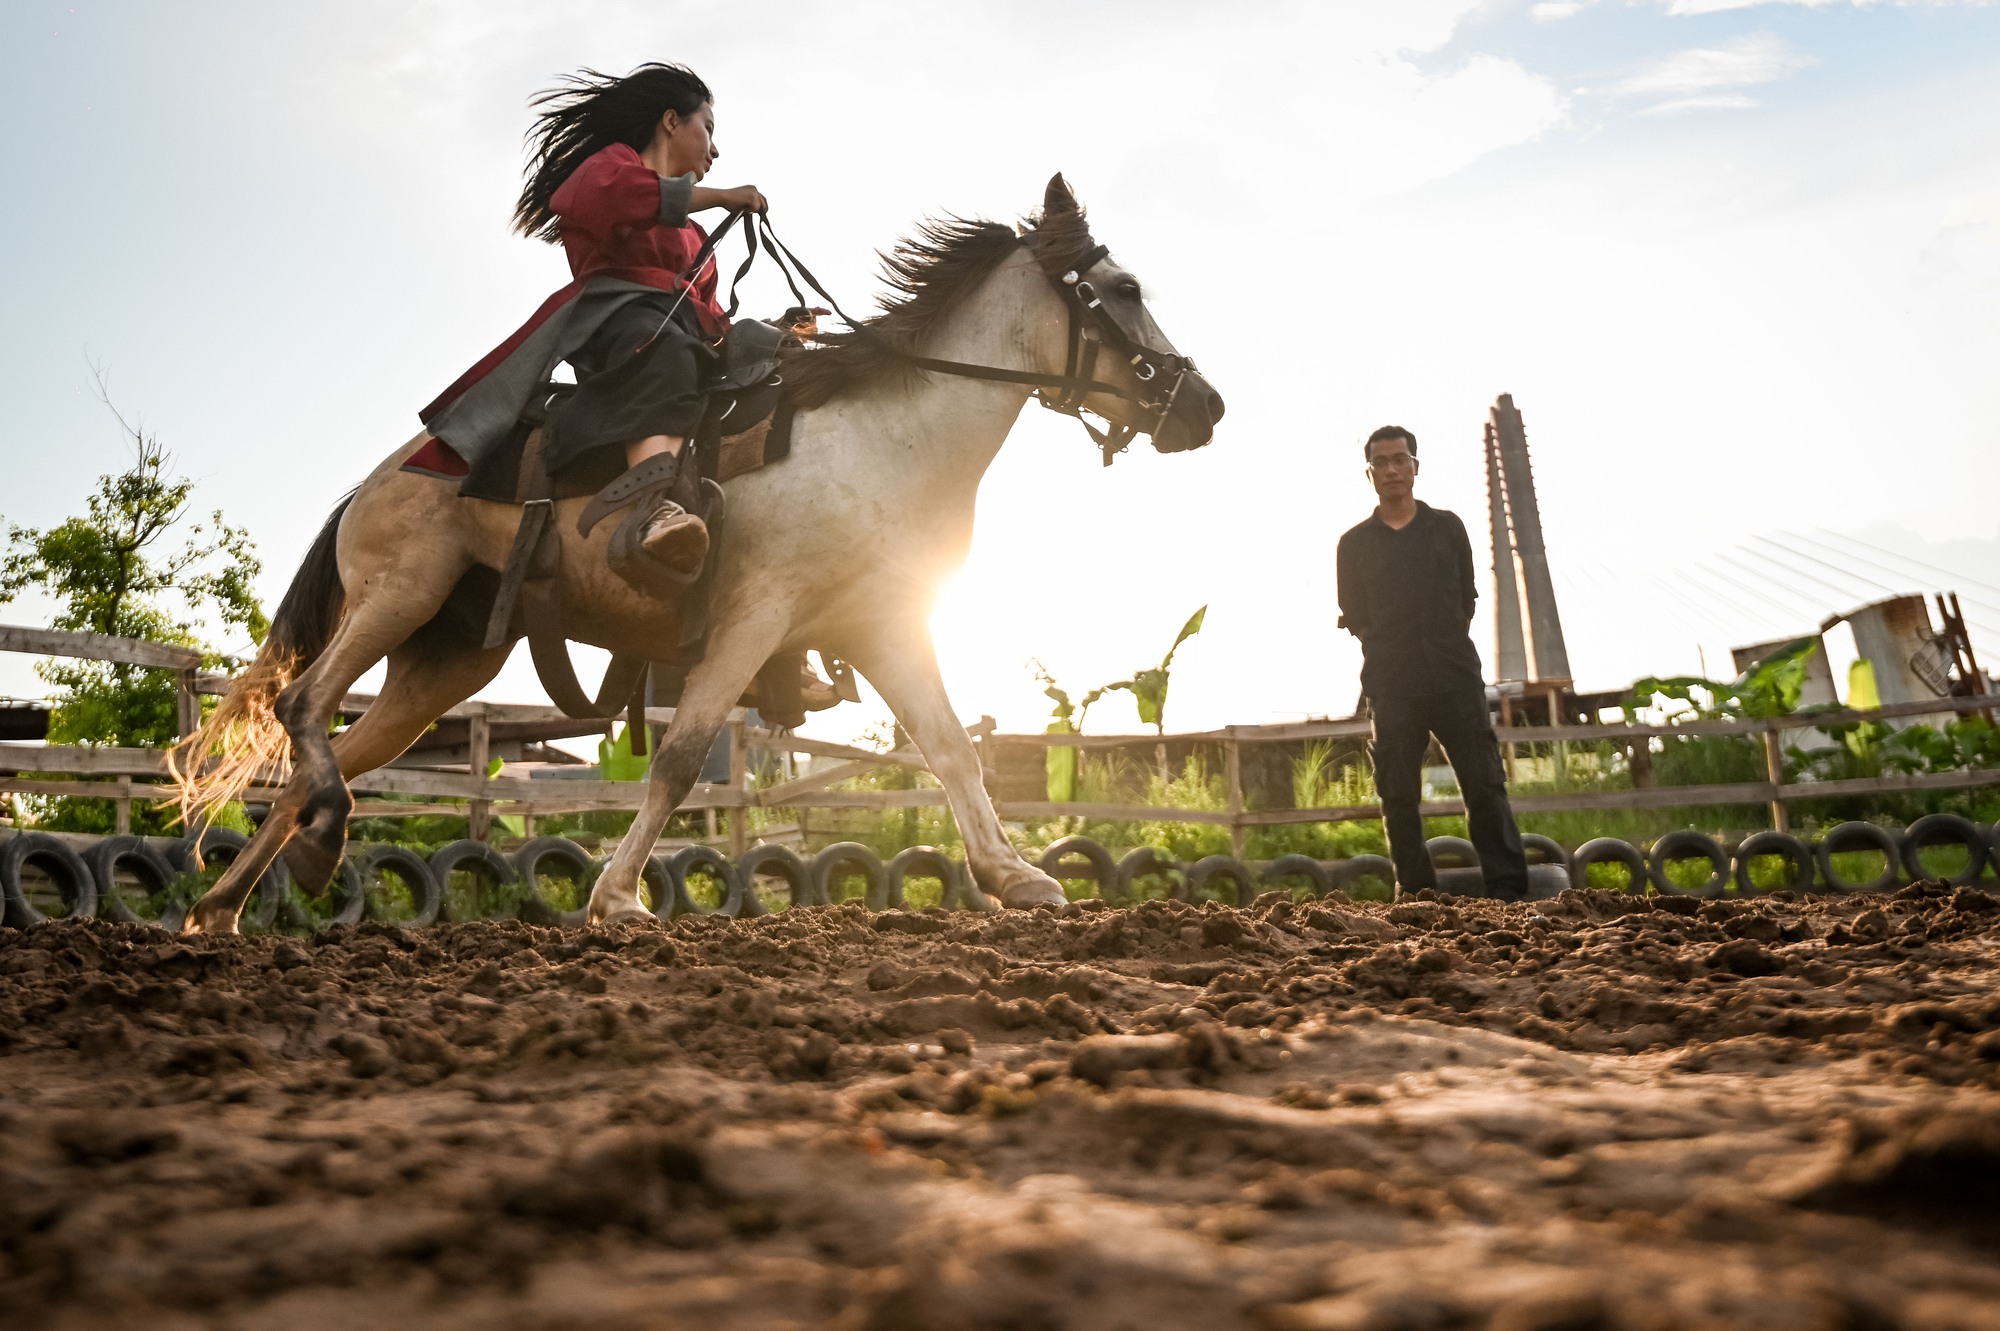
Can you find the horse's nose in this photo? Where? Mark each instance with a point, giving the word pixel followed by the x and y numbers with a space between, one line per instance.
pixel 1215 407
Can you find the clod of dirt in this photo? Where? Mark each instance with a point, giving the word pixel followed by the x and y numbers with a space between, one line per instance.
pixel 1933 1168
pixel 112 1136
pixel 1101 1058
pixel 1743 957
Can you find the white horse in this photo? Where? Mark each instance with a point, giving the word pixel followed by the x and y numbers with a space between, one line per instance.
pixel 839 547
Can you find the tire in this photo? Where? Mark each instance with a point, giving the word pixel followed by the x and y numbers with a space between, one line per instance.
pixel 1845 837
pixel 73 880
pixel 148 864
pixel 426 895
pixel 1223 866
pixel 768 858
pixel 1103 869
pixel 1458 848
pixel 349 892
pixel 467 854
pixel 1939 828
pixel 654 877
pixel 842 854
pixel 221 845
pixel 678 900
pixel 1774 843
pixel 1608 850
pixel 1304 866
pixel 924 862
pixel 528 863
pixel 1687 845
pixel 1550 850
pixel 1136 865
pixel 1361 866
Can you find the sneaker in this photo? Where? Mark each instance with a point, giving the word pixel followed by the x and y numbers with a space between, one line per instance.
pixel 675 537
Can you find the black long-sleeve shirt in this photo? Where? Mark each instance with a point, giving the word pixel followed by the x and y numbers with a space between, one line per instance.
pixel 1408 595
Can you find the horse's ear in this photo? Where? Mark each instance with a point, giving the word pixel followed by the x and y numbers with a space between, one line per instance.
pixel 1058 198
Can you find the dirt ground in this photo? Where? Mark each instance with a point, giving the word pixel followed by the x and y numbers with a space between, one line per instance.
pixel 1594 1111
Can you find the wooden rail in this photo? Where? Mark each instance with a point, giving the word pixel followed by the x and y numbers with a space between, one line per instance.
pixel 127 775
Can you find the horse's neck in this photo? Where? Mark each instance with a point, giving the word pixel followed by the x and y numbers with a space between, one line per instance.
pixel 945 429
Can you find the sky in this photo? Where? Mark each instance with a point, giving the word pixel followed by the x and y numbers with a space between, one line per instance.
pixel 1738 263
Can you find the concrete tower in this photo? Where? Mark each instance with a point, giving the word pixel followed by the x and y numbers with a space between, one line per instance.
pixel 1523 592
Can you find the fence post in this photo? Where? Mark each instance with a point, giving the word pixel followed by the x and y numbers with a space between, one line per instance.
pixel 1774 772
pixel 739 781
pixel 122 807
pixel 1507 723
pixel 478 742
pixel 187 704
pixel 983 744
pixel 1233 757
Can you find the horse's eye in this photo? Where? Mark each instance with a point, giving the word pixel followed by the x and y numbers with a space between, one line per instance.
pixel 1129 289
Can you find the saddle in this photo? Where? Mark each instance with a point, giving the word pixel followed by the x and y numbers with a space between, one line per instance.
pixel 746 425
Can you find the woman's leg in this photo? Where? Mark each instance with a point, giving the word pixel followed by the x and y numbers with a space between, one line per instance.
pixel 651 447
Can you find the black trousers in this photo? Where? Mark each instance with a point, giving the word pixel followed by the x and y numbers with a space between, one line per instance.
pixel 1403 730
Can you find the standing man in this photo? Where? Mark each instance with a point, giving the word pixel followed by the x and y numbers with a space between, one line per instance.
pixel 1406 591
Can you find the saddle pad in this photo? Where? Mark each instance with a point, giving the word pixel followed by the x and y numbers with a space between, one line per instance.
pixel 768 441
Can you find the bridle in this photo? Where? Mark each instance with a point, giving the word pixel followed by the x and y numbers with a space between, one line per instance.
pixel 1092 329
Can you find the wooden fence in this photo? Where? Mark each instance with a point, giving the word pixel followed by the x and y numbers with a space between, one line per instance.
pixel 125 775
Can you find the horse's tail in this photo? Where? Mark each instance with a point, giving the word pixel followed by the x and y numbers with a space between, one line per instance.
pixel 243 736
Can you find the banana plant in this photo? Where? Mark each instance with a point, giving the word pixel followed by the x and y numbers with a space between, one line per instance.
pixel 1149 687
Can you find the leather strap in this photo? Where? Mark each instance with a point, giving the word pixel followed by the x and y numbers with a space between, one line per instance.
pixel 655 473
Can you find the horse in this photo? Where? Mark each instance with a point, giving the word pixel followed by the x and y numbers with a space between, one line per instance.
pixel 839 547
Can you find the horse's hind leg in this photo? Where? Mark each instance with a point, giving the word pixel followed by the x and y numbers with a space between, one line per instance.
pixel 423 682
pixel 393 604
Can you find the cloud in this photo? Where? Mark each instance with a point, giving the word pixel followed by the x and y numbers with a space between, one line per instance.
pixel 1729 101
pixel 1551 10
pixel 1686 7
pixel 1694 79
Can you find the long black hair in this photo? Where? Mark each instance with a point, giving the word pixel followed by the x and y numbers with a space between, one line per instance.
pixel 588 112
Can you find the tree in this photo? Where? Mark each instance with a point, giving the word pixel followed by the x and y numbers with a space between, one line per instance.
pixel 132 565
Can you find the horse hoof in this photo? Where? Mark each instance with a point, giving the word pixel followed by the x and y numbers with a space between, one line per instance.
pixel 1037 889
pixel 199 921
pixel 629 917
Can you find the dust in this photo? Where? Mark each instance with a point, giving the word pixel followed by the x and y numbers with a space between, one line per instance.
pixel 1594 1111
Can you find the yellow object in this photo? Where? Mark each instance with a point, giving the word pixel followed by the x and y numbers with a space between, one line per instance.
pixel 1861 692
pixel 1061 768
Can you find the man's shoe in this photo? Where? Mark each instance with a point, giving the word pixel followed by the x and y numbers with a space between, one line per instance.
pixel 675 537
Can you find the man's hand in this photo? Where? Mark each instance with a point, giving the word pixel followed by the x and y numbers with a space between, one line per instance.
pixel 744 198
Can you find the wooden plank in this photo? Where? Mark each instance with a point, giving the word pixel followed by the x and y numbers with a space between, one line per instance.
pixel 1125 813
pixel 82 760
pixel 97 647
pixel 874 799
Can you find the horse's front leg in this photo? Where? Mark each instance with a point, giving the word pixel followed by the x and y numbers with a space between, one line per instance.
pixel 902 665
pixel 734 656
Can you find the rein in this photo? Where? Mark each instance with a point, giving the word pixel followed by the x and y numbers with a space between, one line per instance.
pixel 1162 372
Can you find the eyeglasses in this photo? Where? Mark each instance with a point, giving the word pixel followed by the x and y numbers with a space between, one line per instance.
pixel 1399 461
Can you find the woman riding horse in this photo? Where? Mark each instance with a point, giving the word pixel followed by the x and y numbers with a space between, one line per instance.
pixel 613 175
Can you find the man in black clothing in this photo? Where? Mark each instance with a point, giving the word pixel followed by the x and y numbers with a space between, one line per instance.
pixel 1406 591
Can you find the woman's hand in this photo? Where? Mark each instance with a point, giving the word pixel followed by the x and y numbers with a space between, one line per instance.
pixel 744 198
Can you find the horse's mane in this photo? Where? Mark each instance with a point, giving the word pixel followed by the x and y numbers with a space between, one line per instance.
pixel 928 274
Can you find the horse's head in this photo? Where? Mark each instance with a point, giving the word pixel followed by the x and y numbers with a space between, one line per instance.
pixel 1125 369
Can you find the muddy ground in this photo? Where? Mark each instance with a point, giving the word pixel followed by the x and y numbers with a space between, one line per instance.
pixel 1595 1111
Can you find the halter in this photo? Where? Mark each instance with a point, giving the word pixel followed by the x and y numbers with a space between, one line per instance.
pixel 1160 373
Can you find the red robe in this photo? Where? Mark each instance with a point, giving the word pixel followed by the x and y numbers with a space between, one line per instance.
pixel 622 228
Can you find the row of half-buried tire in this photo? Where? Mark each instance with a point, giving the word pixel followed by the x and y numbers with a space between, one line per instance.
pixel 93 882
pixel 89 882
